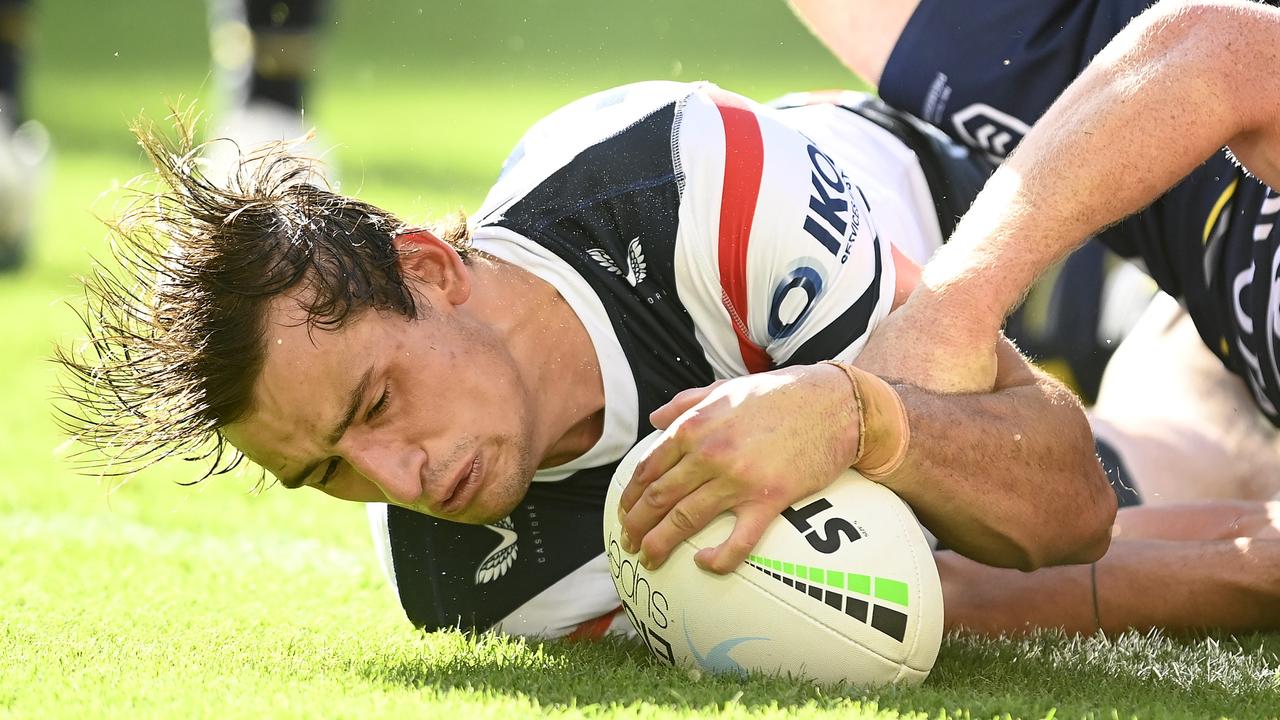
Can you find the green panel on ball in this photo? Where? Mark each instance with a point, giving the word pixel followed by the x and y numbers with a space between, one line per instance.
pixel 858 583
pixel 893 591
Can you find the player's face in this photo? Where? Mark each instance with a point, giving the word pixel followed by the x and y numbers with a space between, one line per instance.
pixel 429 413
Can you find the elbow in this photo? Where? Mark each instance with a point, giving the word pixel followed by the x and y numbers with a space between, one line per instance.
pixel 1189 36
pixel 1090 540
pixel 1086 547
pixel 1098 511
pixel 1082 534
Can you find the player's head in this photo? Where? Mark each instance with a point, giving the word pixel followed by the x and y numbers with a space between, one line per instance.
pixel 260 318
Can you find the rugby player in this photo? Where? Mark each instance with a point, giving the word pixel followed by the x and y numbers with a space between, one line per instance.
pixel 1174 86
pixel 484 379
pixel 1141 130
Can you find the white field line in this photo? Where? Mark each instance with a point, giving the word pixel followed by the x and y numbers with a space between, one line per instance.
pixel 286 553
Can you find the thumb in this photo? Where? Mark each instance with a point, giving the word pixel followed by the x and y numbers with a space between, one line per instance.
pixel 680 404
pixel 748 528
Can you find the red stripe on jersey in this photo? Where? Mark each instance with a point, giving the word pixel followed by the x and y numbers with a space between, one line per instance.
pixel 743 166
pixel 595 628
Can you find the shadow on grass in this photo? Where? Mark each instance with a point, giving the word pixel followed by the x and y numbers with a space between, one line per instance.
pixel 1135 674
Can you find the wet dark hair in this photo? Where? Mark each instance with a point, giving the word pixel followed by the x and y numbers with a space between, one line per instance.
pixel 175 320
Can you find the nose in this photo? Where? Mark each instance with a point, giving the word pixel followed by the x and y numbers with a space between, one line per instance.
pixel 394 470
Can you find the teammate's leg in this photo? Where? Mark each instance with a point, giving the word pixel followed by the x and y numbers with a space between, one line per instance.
pixel 265 51
pixel 23 143
pixel 861 33
pixel 1186 428
pixel 13 40
pixel 283 35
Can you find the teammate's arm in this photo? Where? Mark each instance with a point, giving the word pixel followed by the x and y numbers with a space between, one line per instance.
pixel 1177 84
pixel 988 474
pixel 1021 458
pixel 861 33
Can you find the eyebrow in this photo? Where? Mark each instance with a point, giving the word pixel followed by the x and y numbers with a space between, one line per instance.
pixel 339 429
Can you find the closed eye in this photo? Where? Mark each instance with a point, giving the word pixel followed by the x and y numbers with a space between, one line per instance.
pixel 381 405
pixel 329 472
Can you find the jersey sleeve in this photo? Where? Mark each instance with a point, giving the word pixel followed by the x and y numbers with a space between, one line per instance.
pixel 985 70
pixel 778 259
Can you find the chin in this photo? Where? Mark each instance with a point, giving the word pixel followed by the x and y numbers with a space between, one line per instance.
pixel 500 501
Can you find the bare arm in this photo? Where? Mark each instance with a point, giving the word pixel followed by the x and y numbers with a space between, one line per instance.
pixel 1184 79
pixel 989 474
pixel 1020 458
pixel 861 33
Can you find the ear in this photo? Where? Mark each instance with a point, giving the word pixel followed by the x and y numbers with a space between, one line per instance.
pixel 433 263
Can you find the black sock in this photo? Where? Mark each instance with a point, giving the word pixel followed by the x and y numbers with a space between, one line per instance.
pixel 282 40
pixel 13 36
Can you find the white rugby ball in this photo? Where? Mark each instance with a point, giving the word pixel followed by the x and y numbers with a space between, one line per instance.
pixel 841 588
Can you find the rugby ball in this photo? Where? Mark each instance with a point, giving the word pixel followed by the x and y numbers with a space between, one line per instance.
pixel 842 588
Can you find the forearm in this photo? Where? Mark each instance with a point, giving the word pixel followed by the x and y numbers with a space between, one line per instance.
pixel 1162 97
pixel 1230 585
pixel 861 33
pixel 1008 478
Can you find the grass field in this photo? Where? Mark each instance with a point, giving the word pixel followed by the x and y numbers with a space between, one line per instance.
pixel 155 600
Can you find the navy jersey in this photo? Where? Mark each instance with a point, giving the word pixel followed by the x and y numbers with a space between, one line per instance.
pixel 697 236
pixel 984 76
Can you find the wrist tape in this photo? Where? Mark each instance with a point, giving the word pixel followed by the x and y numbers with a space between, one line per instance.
pixel 883 430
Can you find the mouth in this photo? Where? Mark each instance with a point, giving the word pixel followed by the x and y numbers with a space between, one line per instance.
pixel 463 487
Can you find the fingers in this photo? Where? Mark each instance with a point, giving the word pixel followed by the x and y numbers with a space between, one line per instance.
pixel 659 498
pixel 662 457
pixel 680 404
pixel 667 452
pixel 684 519
pixel 751 523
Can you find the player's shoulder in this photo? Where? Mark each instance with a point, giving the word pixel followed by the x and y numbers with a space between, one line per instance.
pixel 609 116
pixel 596 117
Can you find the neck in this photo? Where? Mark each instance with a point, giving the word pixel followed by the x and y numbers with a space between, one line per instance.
pixel 552 351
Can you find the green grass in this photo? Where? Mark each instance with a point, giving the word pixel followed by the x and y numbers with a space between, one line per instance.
pixel 156 600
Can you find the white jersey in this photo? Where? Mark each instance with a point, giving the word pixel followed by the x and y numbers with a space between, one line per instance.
pixel 697 236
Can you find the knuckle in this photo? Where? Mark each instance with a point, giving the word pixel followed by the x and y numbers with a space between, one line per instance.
pixel 655 497
pixel 722 451
pixel 683 520
pixel 638 473
pixel 690 428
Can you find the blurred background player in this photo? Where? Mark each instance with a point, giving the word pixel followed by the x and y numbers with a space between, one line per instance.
pixel 23 142
pixel 265 52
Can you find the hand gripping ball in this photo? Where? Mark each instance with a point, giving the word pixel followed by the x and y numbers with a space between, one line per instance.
pixel 842 588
